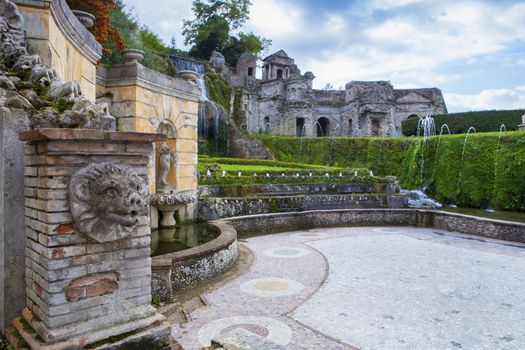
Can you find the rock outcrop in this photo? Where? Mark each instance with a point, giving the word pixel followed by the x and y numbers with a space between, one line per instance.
pixel 25 83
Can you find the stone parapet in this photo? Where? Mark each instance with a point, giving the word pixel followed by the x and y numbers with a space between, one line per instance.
pixel 57 36
pixel 88 265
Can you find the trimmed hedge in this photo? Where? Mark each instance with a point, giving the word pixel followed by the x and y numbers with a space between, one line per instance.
pixel 458 123
pixel 476 181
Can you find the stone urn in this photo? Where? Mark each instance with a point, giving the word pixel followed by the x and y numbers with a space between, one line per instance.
pixel 133 55
pixel 188 75
pixel 86 18
pixel 168 202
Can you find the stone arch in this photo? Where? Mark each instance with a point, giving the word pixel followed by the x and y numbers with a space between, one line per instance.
pixel 167 128
pixel 413 116
pixel 322 127
pixel 266 125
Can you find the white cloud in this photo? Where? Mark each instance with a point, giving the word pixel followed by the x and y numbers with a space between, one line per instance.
pixel 163 17
pixel 272 18
pixel 407 49
pixel 487 99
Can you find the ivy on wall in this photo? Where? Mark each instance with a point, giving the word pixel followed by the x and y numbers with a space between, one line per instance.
pixel 239 117
pixel 486 171
pixel 219 88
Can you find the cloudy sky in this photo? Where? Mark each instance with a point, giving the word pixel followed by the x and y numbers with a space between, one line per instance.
pixel 474 51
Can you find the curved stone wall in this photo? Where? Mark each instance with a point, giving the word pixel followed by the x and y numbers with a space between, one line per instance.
pixel 63 43
pixel 271 223
pixel 175 271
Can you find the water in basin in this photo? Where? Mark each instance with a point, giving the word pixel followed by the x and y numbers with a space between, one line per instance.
pixel 169 240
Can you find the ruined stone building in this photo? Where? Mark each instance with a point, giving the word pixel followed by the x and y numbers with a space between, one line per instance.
pixel 283 102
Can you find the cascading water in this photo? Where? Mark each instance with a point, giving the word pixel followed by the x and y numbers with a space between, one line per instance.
pixel 502 129
pixel 331 145
pixel 463 156
pixel 208 110
pixel 425 128
pixel 303 134
pixel 443 127
pixel 182 63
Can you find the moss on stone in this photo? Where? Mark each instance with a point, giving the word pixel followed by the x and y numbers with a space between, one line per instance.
pixel 219 89
pixel 238 115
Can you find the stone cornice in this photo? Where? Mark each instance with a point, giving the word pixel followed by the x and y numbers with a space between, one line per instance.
pixel 136 74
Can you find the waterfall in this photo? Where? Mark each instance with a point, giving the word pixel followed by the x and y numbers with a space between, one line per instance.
pixel 182 63
pixel 208 110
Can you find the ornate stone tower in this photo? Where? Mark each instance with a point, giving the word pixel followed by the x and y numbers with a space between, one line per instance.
pixel 277 66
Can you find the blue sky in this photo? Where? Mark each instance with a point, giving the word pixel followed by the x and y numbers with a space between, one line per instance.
pixel 474 51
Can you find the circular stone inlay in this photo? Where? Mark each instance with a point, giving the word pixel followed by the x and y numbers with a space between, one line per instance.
pixel 275 331
pixel 271 287
pixel 285 252
pixel 387 230
pixel 275 286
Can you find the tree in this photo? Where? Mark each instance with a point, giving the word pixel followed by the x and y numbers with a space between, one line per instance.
pixel 213 35
pixel 104 32
pixel 234 12
pixel 247 42
pixel 210 30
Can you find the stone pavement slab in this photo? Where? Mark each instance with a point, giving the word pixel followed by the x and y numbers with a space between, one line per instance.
pixel 371 288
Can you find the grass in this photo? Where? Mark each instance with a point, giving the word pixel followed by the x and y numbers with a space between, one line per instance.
pixel 256 171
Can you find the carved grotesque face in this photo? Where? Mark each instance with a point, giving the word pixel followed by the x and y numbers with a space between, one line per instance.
pixel 107 201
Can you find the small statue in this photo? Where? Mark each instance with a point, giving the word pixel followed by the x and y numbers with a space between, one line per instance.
pixel 165 159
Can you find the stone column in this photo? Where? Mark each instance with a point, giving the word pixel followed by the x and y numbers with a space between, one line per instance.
pixel 88 265
pixel 521 127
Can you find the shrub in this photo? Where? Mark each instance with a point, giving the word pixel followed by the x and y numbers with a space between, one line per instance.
pixel 458 123
pixel 491 173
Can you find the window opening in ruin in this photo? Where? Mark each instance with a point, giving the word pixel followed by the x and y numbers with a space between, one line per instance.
pixel 266 126
pixel 250 71
pixel 350 127
pixel 375 127
pixel 279 73
pixel 299 127
pixel 322 125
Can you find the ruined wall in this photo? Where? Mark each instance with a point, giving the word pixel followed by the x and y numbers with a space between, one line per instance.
pixel 63 43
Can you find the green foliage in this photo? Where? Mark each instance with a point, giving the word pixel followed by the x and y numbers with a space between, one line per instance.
pixel 458 123
pixel 140 37
pixel 211 30
pixel 260 162
pixel 234 13
pixel 271 172
pixel 238 115
pixel 219 89
pixel 476 181
pixel 212 35
pixel 4 345
pixel 247 42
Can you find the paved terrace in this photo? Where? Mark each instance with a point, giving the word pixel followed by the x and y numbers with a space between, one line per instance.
pixel 371 288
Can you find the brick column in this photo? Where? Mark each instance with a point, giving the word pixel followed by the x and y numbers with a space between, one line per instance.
pixel 88 265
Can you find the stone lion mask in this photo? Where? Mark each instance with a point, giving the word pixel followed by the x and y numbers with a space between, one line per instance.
pixel 107 200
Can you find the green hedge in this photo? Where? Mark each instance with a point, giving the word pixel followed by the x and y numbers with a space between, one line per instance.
pixel 261 162
pixel 474 182
pixel 458 123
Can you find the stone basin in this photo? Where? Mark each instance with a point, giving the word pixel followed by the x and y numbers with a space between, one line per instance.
pixel 168 202
pixel 188 75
